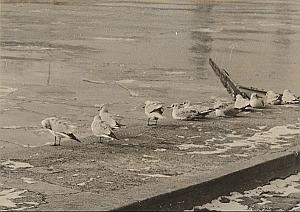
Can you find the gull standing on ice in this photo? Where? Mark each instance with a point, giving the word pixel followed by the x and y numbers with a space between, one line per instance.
pixel 273 98
pixel 101 129
pixel 108 118
pixel 289 98
pixel 180 113
pixel 256 102
pixel 154 111
pixel 60 129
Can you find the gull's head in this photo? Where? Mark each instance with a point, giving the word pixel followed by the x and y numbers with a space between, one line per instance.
pixel 238 96
pixel 101 107
pixel 244 95
pixel 254 95
pixel 147 103
pixel 46 124
pixel 186 103
pixel 98 106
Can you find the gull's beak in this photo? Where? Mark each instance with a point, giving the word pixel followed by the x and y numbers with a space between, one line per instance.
pixel 169 106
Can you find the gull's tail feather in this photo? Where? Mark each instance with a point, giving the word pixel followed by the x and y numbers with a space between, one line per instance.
pixel 246 108
pixel 232 112
pixel 73 137
pixel 206 112
pixel 112 135
pixel 119 125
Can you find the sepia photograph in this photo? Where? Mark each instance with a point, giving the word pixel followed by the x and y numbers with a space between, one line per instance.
pixel 150 105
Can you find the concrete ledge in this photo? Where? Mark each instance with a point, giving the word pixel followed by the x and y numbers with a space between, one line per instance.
pixel 199 194
pixel 115 175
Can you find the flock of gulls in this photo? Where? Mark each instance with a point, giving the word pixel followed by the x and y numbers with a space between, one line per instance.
pixel 104 124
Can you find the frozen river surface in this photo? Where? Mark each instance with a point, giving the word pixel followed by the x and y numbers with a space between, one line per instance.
pixel 258 42
pixel 61 57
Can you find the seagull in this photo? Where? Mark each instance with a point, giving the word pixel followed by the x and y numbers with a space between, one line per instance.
pixel 256 102
pixel 226 110
pixel 60 129
pixel 101 129
pixel 108 118
pixel 241 102
pixel 289 98
pixel 273 98
pixel 180 113
pixel 154 111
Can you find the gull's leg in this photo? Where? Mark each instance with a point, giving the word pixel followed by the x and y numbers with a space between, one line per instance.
pixel 156 121
pixel 148 122
pixel 54 141
pixel 59 138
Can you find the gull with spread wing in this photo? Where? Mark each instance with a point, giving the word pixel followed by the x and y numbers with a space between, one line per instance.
pixel 154 111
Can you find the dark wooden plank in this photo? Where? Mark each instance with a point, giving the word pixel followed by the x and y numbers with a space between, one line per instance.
pixel 258 90
pixel 226 80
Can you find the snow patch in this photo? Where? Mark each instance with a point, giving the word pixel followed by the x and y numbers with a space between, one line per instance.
pixel 15 164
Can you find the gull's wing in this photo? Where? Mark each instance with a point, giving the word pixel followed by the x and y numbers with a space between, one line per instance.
pixel 62 128
pixel 231 111
pixel 153 106
pixel 58 125
pixel 206 112
pixel 158 110
pixel 186 112
pixel 100 127
pixel 106 117
pixel 106 129
pixel 241 103
pixel 109 119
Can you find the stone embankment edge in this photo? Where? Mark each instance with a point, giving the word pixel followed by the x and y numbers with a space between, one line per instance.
pixel 234 177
